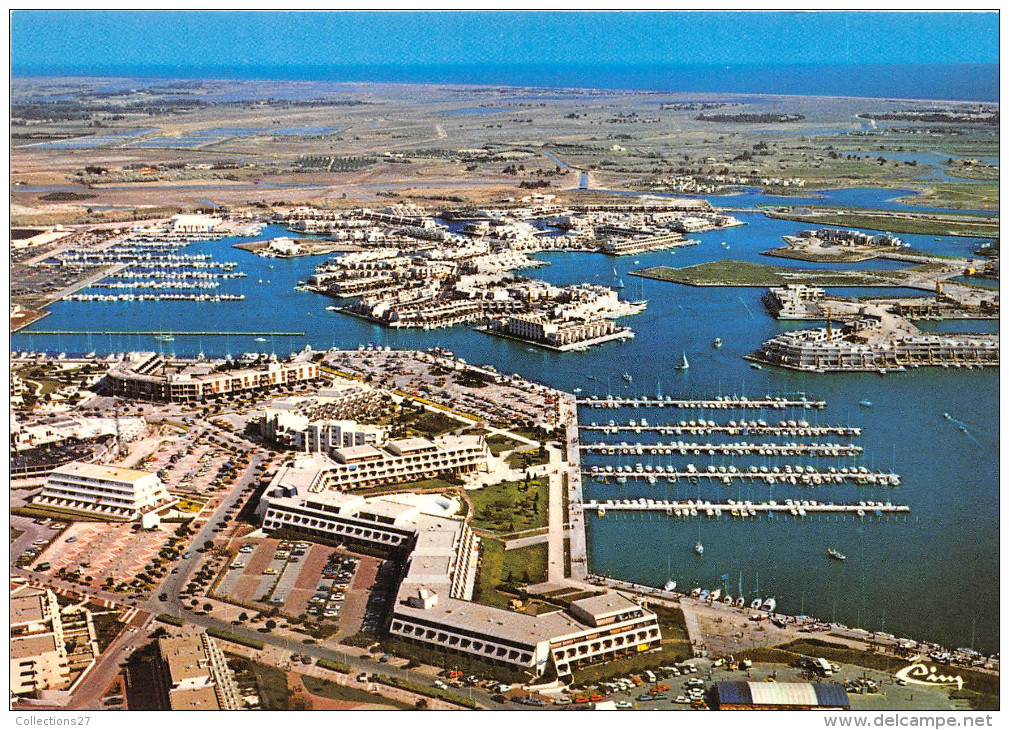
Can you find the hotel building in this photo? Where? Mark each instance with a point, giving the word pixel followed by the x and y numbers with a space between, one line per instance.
pixel 149 376
pixel 112 492
pixel 434 605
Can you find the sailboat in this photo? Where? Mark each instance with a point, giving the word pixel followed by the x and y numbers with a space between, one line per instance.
pixel 618 283
pixel 699 548
pixel 718 342
pixel 670 584
pixel 756 603
pixel 684 365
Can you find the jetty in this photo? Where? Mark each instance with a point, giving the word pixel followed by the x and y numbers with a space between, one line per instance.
pixel 742 448
pixel 732 508
pixel 719 403
pixel 732 428
pixel 805 475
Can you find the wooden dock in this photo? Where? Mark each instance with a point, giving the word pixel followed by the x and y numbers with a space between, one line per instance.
pixel 733 449
pixel 725 403
pixel 807 476
pixel 794 508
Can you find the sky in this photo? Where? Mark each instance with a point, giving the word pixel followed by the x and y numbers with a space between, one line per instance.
pixel 75 43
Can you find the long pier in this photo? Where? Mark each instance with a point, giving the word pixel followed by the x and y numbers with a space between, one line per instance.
pixel 732 508
pixel 721 403
pixel 731 429
pixel 168 332
pixel 770 475
pixel 733 449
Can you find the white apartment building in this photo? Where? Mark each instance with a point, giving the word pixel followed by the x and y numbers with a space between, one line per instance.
pixel 37 649
pixel 403 460
pixel 149 376
pixel 111 491
pixel 196 674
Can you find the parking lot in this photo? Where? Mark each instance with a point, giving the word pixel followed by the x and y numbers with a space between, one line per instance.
pixel 36 535
pixel 300 579
pixel 104 554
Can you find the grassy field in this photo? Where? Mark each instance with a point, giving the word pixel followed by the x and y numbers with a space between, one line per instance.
pixel 498 444
pixel 511 506
pixel 107 628
pixel 507 567
pixel 975 196
pixel 729 272
pixel 895 223
pixel 271 683
pixel 786 252
pixel 526 458
pixel 67 515
pixel 334 691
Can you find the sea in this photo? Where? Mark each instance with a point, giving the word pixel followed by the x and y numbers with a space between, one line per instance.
pixel 937 81
pixel 932 574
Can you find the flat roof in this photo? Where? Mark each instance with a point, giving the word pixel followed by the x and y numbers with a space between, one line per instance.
pixel 355 453
pixel 405 446
pixel 201 698
pixel 185 656
pixel 395 511
pixel 605 605
pixel 27 606
pixel 301 475
pixel 32 645
pixel 108 472
pixel 491 621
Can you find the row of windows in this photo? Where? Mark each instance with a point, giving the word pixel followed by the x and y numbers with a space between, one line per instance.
pixel 275 520
pixel 606 644
pixel 461 642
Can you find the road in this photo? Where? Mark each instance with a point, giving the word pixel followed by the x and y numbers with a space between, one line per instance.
pixel 89 694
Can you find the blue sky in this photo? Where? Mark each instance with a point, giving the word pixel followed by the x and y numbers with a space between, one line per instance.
pixel 77 42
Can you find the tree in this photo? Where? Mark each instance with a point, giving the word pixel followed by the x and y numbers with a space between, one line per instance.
pixel 420 704
pixel 208 606
pixel 271 624
pixel 243 616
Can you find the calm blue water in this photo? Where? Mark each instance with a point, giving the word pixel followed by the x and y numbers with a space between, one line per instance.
pixel 928 575
pixel 965 81
pixel 869 198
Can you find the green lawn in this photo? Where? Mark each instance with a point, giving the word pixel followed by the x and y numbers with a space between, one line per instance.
pixel 271 683
pixel 511 506
pixel 948 225
pixel 527 457
pixel 498 444
pixel 728 272
pixel 334 691
pixel 107 628
pixel 500 567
